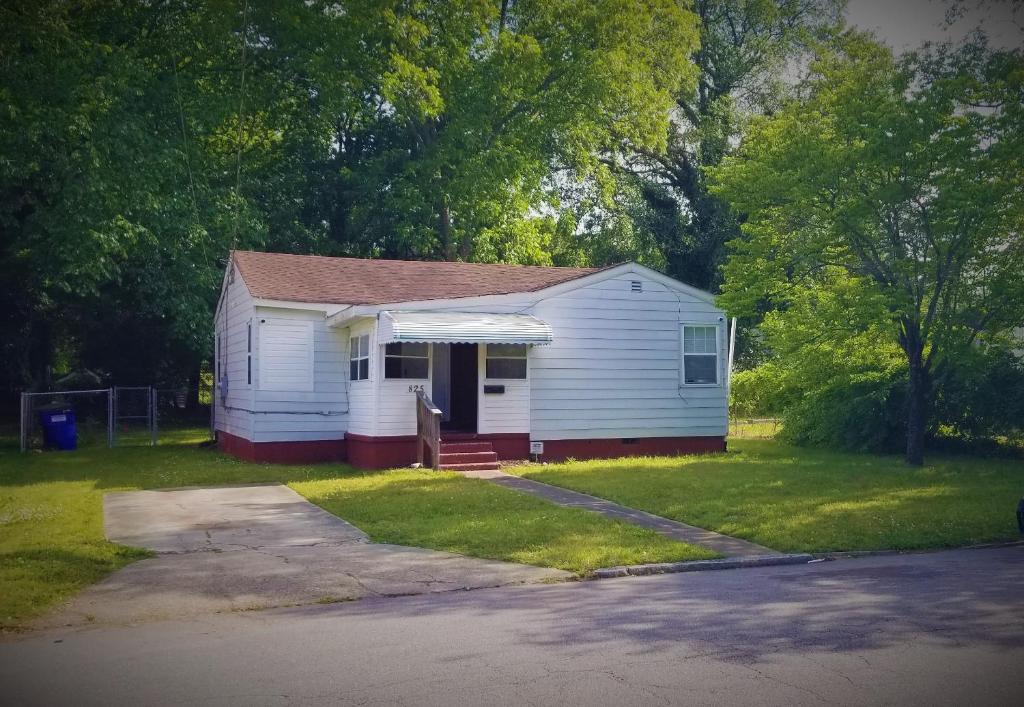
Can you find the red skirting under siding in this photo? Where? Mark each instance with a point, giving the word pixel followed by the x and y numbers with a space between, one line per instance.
pixel 310 452
pixel 392 452
pixel 561 449
pixel 367 452
pixel 509 446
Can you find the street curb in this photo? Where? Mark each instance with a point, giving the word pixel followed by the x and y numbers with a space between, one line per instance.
pixel 854 554
pixel 728 563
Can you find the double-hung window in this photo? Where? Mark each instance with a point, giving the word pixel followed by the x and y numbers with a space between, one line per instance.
pixel 407 360
pixel 506 361
pixel 700 355
pixel 359 357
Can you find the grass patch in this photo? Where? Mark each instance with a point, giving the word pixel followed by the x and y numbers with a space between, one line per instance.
pixel 446 511
pixel 51 519
pixel 806 500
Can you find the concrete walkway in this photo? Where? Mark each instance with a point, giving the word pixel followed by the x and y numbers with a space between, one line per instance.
pixel 725 544
pixel 255 547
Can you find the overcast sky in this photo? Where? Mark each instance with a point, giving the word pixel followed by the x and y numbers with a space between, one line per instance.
pixel 906 24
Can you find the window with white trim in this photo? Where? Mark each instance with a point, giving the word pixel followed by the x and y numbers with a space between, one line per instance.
pixel 248 353
pixel 506 361
pixel 700 355
pixel 359 357
pixel 407 360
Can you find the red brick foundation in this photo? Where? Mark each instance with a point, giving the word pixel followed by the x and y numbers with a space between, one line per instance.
pixel 311 452
pixel 561 449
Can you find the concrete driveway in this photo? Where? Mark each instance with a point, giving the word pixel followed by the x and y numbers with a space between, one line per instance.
pixel 258 546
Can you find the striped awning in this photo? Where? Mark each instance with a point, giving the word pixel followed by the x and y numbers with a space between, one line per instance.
pixel 463 327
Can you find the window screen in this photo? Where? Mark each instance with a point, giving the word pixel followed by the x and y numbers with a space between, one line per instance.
pixel 506 361
pixel 407 360
pixel 700 355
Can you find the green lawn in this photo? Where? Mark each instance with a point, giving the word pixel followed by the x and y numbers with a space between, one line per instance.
pixel 51 525
pixel 797 499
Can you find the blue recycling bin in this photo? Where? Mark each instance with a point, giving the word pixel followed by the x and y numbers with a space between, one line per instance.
pixel 59 431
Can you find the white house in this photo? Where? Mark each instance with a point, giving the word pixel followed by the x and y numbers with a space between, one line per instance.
pixel 321 359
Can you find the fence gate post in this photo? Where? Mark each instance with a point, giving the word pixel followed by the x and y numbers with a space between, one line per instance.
pixel 24 421
pixel 110 418
pixel 152 416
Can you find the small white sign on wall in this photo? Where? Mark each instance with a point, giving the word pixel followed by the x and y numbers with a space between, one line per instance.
pixel 536 447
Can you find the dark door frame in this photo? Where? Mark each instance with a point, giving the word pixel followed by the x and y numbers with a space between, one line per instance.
pixel 464 382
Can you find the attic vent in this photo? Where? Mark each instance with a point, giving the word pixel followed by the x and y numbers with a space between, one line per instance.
pixel 636 286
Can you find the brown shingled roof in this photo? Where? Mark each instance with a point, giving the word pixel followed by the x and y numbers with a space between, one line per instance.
pixel 315 278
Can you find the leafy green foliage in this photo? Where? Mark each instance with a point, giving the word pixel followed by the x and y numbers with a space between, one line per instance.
pixel 982 395
pixel 900 179
pixel 476 110
pixel 833 378
pixel 142 141
pixel 745 46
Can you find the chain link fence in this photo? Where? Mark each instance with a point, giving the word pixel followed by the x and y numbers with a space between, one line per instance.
pixel 754 427
pixel 117 416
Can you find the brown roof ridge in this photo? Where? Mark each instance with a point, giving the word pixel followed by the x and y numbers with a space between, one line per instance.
pixel 345 280
pixel 408 260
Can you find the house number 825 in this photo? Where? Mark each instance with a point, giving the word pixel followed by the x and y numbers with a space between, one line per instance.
pixel 414 388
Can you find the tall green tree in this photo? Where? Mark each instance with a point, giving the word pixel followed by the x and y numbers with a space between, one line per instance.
pixel 141 141
pixel 904 176
pixel 477 104
pixel 746 49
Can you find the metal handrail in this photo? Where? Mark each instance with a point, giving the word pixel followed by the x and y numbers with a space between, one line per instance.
pixel 428 429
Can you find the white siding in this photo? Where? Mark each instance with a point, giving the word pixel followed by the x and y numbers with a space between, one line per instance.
pixel 508 412
pixel 285 354
pixel 232 414
pixel 363 394
pixel 396 403
pixel 294 407
pixel 613 371
pixel 614 368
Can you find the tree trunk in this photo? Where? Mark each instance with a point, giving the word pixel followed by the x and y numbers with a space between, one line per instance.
pixel 918 392
pixel 444 227
pixel 503 18
pixel 195 380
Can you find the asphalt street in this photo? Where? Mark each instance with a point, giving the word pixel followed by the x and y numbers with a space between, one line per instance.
pixel 944 628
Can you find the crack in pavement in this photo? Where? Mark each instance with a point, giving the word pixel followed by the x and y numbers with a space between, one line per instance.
pixel 772 678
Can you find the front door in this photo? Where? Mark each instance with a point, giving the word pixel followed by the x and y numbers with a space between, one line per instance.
pixel 455 385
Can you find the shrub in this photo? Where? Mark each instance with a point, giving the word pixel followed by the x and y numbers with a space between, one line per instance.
pixel 865 413
pixel 756 392
pixel 978 397
pixel 980 394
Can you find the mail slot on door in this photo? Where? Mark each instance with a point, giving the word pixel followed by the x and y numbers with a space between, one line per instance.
pixel 494 390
